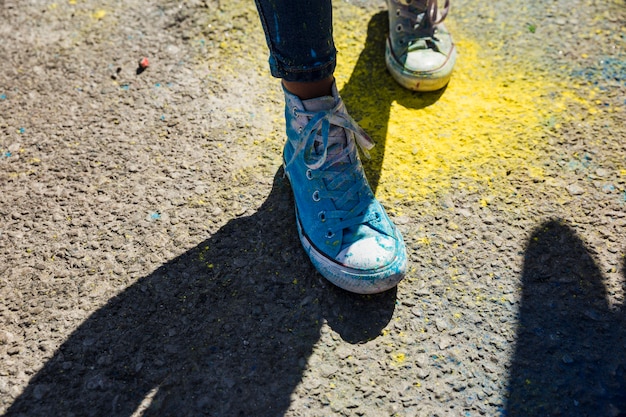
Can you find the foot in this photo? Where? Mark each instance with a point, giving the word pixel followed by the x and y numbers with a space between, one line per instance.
pixel 343 228
pixel 420 53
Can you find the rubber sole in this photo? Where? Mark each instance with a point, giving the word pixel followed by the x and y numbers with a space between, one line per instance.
pixel 354 280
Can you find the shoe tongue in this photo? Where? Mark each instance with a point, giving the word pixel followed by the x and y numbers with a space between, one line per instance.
pixel 336 142
pixel 319 103
pixel 336 135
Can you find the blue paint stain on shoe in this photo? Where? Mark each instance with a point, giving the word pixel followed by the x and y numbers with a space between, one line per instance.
pixel 368 254
pixel 3 96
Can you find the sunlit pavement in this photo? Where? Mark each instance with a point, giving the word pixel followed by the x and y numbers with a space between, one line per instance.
pixel 148 256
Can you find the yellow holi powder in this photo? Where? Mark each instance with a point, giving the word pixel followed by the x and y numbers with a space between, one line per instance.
pixel 491 120
pixel 98 14
pixel 399 358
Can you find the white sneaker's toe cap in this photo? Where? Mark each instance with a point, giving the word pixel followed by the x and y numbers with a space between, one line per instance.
pixel 370 253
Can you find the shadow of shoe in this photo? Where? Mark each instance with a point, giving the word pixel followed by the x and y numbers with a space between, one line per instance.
pixel 224 329
pixel 570 358
pixel 371 90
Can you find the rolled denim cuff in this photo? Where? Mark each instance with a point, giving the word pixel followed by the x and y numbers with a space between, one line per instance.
pixel 299 35
pixel 302 73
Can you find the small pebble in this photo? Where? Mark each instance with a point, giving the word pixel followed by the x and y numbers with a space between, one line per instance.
pixel 575 189
pixel 144 63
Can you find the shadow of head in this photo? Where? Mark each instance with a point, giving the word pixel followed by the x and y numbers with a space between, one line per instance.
pixel 371 91
pixel 224 329
pixel 569 357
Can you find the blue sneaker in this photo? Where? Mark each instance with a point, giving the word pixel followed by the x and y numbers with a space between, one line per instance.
pixel 343 228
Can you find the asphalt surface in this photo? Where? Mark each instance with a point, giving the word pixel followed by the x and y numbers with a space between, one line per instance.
pixel 149 259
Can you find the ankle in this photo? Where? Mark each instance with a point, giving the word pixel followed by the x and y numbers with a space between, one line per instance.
pixel 308 90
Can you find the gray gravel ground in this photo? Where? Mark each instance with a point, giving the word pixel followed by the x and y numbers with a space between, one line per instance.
pixel 149 262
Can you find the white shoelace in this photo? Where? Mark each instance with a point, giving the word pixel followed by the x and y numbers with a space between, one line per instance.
pixel 344 179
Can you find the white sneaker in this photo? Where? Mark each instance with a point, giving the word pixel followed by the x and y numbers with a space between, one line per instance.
pixel 420 53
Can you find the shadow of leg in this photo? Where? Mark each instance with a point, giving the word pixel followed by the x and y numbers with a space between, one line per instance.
pixel 224 329
pixel 569 357
pixel 218 330
pixel 370 92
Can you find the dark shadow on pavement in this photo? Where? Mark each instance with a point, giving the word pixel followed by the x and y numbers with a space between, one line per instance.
pixel 570 358
pixel 223 330
pixel 371 90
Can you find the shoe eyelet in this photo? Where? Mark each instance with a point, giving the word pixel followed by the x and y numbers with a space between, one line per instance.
pixel 322 216
pixel 398 12
pixel 377 216
pixel 309 174
pixel 330 234
pixel 300 130
pixel 316 196
pixel 295 112
pixel 399 28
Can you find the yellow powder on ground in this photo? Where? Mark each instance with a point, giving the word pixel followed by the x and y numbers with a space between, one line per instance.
pixel 491 120
pixel 482 127
pixel 98 14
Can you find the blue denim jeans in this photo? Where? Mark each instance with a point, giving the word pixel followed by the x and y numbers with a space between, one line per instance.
pixel 299 35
